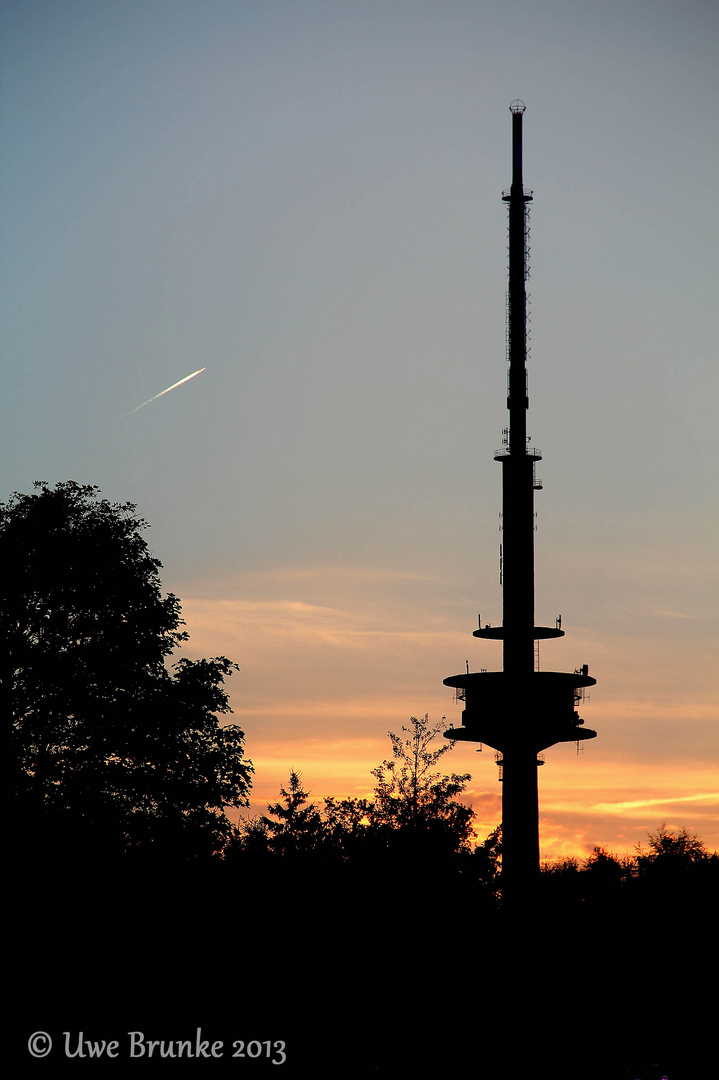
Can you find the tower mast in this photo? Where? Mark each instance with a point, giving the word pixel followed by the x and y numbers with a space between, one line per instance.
pixel 519 711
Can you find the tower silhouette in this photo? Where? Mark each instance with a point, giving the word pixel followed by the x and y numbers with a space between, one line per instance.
pixel 519 711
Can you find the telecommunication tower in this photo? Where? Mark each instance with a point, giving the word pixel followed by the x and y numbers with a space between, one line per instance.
pixel 519 711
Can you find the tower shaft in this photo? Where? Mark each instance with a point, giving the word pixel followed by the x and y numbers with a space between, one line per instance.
pixel 520 795
pixel 519 711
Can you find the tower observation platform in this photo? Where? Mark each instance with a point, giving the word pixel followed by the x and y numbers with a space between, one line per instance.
pixel 519 711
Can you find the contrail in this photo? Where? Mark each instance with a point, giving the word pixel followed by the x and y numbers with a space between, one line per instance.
pixel 174 385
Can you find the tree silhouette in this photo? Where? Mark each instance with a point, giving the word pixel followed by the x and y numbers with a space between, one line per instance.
pixel 296 826
pixel 603 876
pixel 676 873
pixel 349 831
pixel 413 796
pixel 486 859
pixel 102 734
pixel 678 850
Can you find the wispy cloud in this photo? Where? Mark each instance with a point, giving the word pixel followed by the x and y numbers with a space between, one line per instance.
pixel 668 614
pixel 640 804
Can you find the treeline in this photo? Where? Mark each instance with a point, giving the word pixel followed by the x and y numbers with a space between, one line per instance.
pixel 413 827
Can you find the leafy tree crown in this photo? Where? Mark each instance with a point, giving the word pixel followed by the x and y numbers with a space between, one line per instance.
pixel 100 729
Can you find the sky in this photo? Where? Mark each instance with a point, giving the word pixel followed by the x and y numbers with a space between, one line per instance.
pixel 304 198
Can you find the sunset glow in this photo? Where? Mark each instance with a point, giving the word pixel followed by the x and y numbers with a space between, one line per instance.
pixel 310 194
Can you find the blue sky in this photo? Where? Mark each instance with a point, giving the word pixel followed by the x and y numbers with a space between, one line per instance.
pixel 305 199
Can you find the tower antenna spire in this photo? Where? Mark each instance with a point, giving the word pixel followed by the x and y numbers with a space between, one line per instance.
pixel 519 711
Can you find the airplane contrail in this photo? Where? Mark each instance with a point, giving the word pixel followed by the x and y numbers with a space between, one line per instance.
pixel 174 385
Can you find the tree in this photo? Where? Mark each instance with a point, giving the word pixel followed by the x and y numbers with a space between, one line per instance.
pixel 673 851
pixel 102 733
pixel 348 825
pixel 298 828
pixel 676 872
pixel 412 796
pixel 486 859
pixel 604 876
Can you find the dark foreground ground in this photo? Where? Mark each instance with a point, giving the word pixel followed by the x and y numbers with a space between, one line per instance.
pixel 306 974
